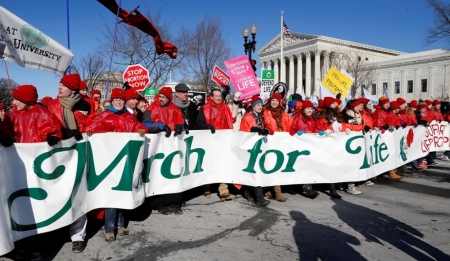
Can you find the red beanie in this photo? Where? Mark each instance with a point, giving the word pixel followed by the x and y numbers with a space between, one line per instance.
pixel 307 103
pixel 71 81
pixel 422 105
pixel 2 106
pixel 394 105
pixel 413 104
pixel 401 101
pixel 46 100
pixel 166 91
pixel 83 85
pixel 277 96
pixel 320 103
pixel 382 101
pixel 118 93
pixel 131 94
pixel 428 102
pixel 327 101
pixel 26 94
pixel 339 101
pixel 436 102
pixel 365 101
pixel 96 91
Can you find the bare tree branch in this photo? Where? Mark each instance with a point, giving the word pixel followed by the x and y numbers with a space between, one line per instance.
pixel 441 29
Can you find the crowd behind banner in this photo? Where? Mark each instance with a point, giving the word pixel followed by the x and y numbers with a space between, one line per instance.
pixel 80 143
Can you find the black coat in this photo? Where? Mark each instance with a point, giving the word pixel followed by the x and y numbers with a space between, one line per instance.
pixel 190 115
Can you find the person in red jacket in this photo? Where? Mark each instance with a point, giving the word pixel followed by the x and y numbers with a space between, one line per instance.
pixel 163 115
pixel 96 96
pixel 381 116
pixel 277 120
pixel 30 123
pixel 115 118
pixel 253 121
pixel 305 122
pixel 84 96
pixel 436 111
pixel 394 119
pixel 215 115
pixel 366 113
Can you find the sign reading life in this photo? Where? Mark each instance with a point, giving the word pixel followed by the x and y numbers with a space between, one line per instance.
pixel 337 82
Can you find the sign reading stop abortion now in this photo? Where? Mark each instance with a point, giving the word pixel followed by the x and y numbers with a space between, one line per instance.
pixel 136 76
pixel 337 82
pixel 243 77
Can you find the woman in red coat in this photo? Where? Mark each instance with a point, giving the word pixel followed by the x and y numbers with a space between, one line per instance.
pixel 115 118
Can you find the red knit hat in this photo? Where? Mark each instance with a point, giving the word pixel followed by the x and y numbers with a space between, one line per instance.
pixel 413 104
pixel 327 101
pixel 71 81
pixel 320 103
pixel 382 101
pixel 436 102
pixel 2 106
pixel 131 94
pixel 339 101
pixel 428 102
pixel 117 93
pixel 422 105
pixel 277 96
pixel 46 100
pixel 394 105
pixel 26 94
pixel 83 85
pixel 96 91
pixel 364 100
pixel 307 103
pixel 401 101
pixel 166 91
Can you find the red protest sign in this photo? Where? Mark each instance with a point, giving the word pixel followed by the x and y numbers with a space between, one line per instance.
pixel 220 77
pixel 137 77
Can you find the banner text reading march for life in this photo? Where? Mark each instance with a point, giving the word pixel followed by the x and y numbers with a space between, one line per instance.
pixel 44 188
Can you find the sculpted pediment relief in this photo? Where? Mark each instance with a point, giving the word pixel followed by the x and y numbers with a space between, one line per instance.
pixel 287 42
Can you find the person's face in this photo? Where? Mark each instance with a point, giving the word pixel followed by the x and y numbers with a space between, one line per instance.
pixel 20 106
pixel 258 108
pixel 96 96
pixel 334 105
pixel 274 103
pixel 429 106
pixel 132 103
pixel 83 92
pixel 414 109
pixel 403 106
pixel 396 111
pixel 437 107
pixel 308 111
pixel 216 97
pixel 369 105
pixel 359 107
pixel 163 100
pixel 385 106
pixel 2 114
pixel 118 103
pixel 423 109
pixel 63 91
pixel 106 104
pixel 182 96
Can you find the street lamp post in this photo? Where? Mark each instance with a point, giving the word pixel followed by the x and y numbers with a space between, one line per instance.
pixel 250 46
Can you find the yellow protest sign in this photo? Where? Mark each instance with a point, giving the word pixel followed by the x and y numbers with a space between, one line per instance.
pixel 337 82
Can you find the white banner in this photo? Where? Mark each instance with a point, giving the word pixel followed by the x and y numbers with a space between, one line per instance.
pixel 44 188
pixel 29 47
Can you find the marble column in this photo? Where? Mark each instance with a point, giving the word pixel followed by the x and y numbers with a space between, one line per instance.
pixel 430 86
pixel 316 72
pixel 403 85
pixel 308 74
pixel 269 65
pixel 275 71
pixel 417 88
pixel 300 73
pixel 291 84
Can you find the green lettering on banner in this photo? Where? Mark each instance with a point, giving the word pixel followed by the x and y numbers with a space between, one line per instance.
pixel 131 152
pixel 254 155
pixel 278 162
pixel 167 163
pixel 358 149
pixel 293 155
pixel 200 156
pixel 40 194
pixel 145 174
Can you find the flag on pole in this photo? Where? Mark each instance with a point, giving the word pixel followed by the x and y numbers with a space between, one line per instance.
pixel 386 93
pixel 371 97
pixel 286 31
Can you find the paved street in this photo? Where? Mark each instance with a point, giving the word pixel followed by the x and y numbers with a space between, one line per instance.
pixel 402 220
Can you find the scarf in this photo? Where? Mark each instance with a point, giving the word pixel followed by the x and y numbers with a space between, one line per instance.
pixel 116 111
pixel 180 104
pixel 277 115
pixel 68 117
pixel 258 119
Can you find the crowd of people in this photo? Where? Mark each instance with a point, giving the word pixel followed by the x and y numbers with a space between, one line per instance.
pixel 75 111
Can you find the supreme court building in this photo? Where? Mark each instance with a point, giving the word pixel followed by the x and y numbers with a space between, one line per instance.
pixel 307 59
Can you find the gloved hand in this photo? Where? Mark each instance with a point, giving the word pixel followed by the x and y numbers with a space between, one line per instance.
pixel 89 133
pixel 366 129
pixel 141 133
pixel 386 127
pixel 299 133
pixel 391 129
pixel 348 131
pixel 404 125
pixel 52 140
pixel 382 131
pixel 178 130
pixel 264 132
pixel 167 130
pixel 321 133
pixel 236 96
pixel 439 121
pixel 211 127
pixel 376 129
pixel 254 129
pixel 397 127
pixel 415 125
pixel 7 141
pixel 74 133
pixel 328 132
pixel 186 130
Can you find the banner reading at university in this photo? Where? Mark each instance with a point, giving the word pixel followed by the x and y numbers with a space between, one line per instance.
pixel 44 188
pixel 29 47
pixel 243 77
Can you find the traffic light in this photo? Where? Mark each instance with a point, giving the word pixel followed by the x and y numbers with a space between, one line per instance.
pixel 253 63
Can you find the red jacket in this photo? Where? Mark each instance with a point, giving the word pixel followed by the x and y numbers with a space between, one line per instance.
pixel 91 103
pixel 34 125
pixel 380 118
pixel 248 121
pixel 107 121
pixel 169 115
pixel 56 108
pixel 437 115
pixel 272 124
pixel 394 120
pixel 367 119
pixel 301 123
pixel 218 115
pixel 408 119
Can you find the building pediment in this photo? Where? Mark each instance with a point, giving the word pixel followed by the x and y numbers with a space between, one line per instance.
pixel 275 43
